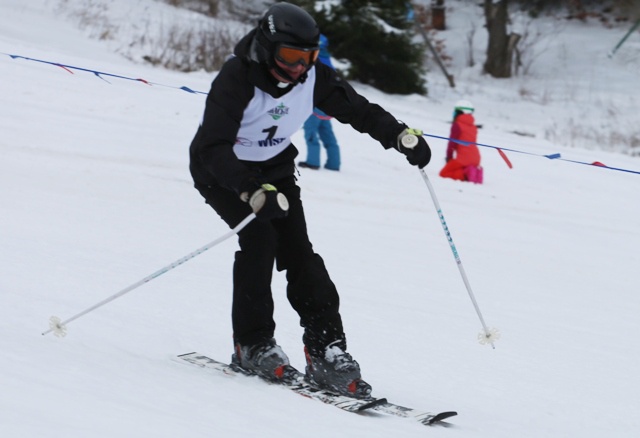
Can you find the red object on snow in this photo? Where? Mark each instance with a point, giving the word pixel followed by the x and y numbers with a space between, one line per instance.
pixel 504 157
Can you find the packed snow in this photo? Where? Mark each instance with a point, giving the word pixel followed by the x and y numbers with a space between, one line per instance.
pixel 97 195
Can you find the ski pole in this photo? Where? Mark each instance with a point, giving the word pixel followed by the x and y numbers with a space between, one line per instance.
pixel 59 327
pixel 624 38
pixel 487 336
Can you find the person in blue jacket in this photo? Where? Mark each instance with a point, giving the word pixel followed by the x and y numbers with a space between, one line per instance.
pixel 318 127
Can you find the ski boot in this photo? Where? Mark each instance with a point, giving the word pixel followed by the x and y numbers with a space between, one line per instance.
pixel 266 360
pixel 336 371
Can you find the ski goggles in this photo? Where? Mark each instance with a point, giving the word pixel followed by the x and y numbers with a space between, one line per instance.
pixel 292 56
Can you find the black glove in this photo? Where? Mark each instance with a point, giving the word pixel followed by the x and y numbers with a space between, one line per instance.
pixel 267 203
pixel 413 145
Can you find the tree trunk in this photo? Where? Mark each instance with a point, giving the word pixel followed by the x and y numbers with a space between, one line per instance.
pixel 438 15
pixel 499 52
pixel 512 50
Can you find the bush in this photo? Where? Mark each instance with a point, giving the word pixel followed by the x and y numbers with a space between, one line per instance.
pixel 375 36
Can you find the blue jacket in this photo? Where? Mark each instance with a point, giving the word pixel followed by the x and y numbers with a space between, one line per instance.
pixel 324 55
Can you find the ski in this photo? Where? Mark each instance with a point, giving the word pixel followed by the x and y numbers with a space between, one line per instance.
pixel 423 417
pixel 294 381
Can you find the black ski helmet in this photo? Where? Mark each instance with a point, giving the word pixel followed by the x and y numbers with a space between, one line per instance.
pixel 288 24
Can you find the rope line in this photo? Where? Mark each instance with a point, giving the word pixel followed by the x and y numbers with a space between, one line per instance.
pixel 103 75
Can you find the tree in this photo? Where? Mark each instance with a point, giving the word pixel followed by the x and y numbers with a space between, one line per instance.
pixel 375 36
pixel 582 9
pixel 501 46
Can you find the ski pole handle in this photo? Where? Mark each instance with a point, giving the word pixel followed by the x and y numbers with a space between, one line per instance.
pixel 409 138
pixel 409 141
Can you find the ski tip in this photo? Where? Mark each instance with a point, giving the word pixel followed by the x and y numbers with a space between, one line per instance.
pixel 442 416
pixel 187 354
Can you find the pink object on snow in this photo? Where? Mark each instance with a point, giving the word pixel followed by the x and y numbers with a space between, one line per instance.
pixel 474 174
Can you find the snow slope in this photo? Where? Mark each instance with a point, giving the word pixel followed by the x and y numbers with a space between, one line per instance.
pixel 96 195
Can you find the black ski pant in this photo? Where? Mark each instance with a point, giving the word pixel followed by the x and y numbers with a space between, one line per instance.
pixel 310 290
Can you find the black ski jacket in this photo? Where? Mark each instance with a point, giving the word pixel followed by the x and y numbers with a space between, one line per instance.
pixel 212 158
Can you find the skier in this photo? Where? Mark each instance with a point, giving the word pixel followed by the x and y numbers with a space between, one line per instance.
pixel 242 160
pixel 318 127
pixel 463 159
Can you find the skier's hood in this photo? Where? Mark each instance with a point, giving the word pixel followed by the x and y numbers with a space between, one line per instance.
pixel 242 49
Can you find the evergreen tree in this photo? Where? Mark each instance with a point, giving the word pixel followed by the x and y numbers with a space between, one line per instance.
pixel 375 36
